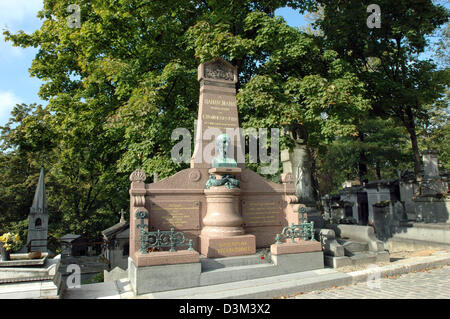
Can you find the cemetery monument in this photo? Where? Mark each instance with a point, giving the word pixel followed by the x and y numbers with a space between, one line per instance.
pixel 217 209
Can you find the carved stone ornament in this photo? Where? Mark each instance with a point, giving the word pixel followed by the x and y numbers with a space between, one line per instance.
pixel 218 70
pixel 195 175
pixel 138 200
pixel 291 199
pixel 138 176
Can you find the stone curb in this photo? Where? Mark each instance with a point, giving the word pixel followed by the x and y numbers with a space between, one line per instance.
pixel 262 288
pixel 265 288
pixel 306 285
pixel 418 264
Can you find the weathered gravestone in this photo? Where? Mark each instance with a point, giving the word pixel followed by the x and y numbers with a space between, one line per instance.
pixel 431 203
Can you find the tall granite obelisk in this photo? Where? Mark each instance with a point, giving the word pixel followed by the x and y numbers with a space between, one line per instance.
pixel 217 113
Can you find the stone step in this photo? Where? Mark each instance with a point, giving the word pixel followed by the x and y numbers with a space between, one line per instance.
pixel 179 276
pixel 268 287
pixel 209 264
pixel 352 247
pixel 360 258
pixel 289 263
pixel 238 273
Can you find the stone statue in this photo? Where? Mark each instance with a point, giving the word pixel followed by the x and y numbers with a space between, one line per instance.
pixel 222 144
pixel 303 182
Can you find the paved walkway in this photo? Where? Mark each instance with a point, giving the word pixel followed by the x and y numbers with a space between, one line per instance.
pixel 431 284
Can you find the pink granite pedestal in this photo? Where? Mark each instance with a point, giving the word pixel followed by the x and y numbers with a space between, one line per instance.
pixel 301 246
pixel 223 234
pixel 167 258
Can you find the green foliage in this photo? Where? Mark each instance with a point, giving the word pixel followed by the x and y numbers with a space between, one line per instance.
pixel 95 279
pixel 118 86
pixel 385 146
pixel 398 84
pixel 435 133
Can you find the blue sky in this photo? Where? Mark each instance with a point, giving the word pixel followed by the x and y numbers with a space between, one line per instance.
pixel 16 84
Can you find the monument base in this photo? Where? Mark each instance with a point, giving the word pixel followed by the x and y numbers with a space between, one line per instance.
pixel 299 256
pixel 163 277
pixel 227 246
pixel 20 280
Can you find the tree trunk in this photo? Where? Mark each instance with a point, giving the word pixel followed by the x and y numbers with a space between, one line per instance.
pixel 378 169
pixel 362 163
pixel 314 179
pixel 411 127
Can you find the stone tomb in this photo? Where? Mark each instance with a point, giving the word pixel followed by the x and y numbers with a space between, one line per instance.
pixel 180 201
pixel 261 208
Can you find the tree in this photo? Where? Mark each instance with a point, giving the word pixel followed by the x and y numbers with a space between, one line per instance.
pixel 121 83
pixel 386 59
pixel 77 197
pixel 385 146
pixel 117 87
pixel 25 143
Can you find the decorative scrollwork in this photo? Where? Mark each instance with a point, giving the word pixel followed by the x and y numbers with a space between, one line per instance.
pixel 228 180
pixel 219 70
pixel 138 200
pixel 291 199
pixel 159 239
pixel 141 214
pixel 304 231
pixel 287 178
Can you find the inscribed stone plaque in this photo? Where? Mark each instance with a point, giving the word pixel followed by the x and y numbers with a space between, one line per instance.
pixel 220 111
pixel 261 213
pixel 228 246
pixel 177 214
pixel 232 247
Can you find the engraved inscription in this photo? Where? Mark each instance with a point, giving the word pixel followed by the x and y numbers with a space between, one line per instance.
pixel 226 248
pixel 231 119
pixel 261 213
pixel 179 215
pixel 220 102
pixel 219 112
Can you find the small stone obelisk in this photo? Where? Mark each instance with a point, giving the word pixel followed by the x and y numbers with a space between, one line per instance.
pixel 38 218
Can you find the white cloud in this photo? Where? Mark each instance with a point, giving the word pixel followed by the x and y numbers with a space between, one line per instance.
pixel 14 12
pixel 17 15
pixel 7 102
